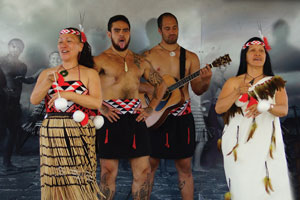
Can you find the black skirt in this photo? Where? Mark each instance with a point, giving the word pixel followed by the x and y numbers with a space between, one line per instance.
pixel 123 139
pixel 175 139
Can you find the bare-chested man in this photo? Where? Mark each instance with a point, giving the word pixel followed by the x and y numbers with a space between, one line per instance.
pixel 124 134
pixel 175 139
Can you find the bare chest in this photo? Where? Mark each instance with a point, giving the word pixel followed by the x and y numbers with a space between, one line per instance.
pixel 166 64
pixel 120 71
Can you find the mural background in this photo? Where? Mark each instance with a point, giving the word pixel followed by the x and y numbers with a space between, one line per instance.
pixel 210 28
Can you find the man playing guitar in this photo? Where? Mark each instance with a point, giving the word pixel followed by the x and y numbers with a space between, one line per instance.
pixel 175 138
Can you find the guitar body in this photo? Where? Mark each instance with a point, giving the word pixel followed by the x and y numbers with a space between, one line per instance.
pixel 169 102
pixel 175 98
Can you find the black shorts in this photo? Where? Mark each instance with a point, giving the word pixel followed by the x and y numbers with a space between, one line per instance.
pixel 175 139
pixel 123 139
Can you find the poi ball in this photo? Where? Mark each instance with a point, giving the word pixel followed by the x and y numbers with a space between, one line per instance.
pixel 78 116
pixel 239 103
pixel 263 106
pixel 98 121
pixel 60 103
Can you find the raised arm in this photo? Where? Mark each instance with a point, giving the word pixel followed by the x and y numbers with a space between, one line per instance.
pixel 201 83
pixel 44 82
pixel 230 92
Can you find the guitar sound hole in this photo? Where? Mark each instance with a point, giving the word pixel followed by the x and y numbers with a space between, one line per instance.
pixel 166 95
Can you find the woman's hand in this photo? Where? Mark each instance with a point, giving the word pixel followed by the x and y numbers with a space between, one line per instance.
pixel 252 111
pixel 243 88
pixel 55 96
pixel 51 74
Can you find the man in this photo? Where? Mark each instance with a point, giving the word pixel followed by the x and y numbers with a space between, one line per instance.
pixel 175 139
pixel 14 71
pixel 124 134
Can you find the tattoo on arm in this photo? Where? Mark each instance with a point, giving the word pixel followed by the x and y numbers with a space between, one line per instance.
pixel 137 60
pixel 154 95
pixel 155 78
pixel 181 185
pixel 104 189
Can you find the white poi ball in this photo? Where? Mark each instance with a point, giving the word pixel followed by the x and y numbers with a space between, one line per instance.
pixel 98 121
pixel 78 116
pixel 60 103
pixel 263 106
pixel 239 103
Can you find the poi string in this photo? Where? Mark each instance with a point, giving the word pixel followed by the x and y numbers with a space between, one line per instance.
pixel 57 84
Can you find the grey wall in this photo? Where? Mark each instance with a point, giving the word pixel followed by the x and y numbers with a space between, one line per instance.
pixel 210 28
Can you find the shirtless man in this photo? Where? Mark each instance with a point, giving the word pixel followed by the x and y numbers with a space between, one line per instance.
pixel 175 139
pixel 124 134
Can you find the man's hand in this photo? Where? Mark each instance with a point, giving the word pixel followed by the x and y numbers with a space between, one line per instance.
pixel 110 113
pixel 144 113
pixel 205 74
pixel 19 78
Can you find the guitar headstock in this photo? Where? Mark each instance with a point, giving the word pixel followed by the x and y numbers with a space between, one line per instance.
pixel 221 61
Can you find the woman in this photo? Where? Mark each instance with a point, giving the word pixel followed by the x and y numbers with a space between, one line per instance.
pixel 67 148
pixel 252 144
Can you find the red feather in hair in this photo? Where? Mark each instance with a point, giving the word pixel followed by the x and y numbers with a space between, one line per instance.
pixel 267 45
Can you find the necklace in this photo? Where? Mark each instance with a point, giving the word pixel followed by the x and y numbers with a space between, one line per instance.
pixel 253 78
pixel 124 58
pixel 65 72
pixel 172 52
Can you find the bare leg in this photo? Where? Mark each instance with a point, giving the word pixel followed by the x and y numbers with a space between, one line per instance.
pixel 141 178
pixel 185 176
pixel 109 171
pixel 154 162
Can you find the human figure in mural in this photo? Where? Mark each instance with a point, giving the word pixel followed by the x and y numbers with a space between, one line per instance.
pixel 214 123
pixel 67 136
pixel 14 71
pixel 253 149
pixel 2 102
pixel 175 138
pixel 124 134
pixel 285 57
pixel 201 135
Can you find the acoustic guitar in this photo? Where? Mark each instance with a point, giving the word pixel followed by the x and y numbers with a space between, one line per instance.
pixel 174 96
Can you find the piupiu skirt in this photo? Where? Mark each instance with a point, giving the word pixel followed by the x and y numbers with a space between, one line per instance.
pixel 67 158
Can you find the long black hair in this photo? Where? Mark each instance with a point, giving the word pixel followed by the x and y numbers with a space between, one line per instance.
pixel 267 69
pixel 85 56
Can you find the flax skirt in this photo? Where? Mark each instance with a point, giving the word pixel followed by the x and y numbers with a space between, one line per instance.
pixel 68 159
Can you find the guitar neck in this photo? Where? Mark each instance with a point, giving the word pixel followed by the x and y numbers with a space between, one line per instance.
pixel 185 80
